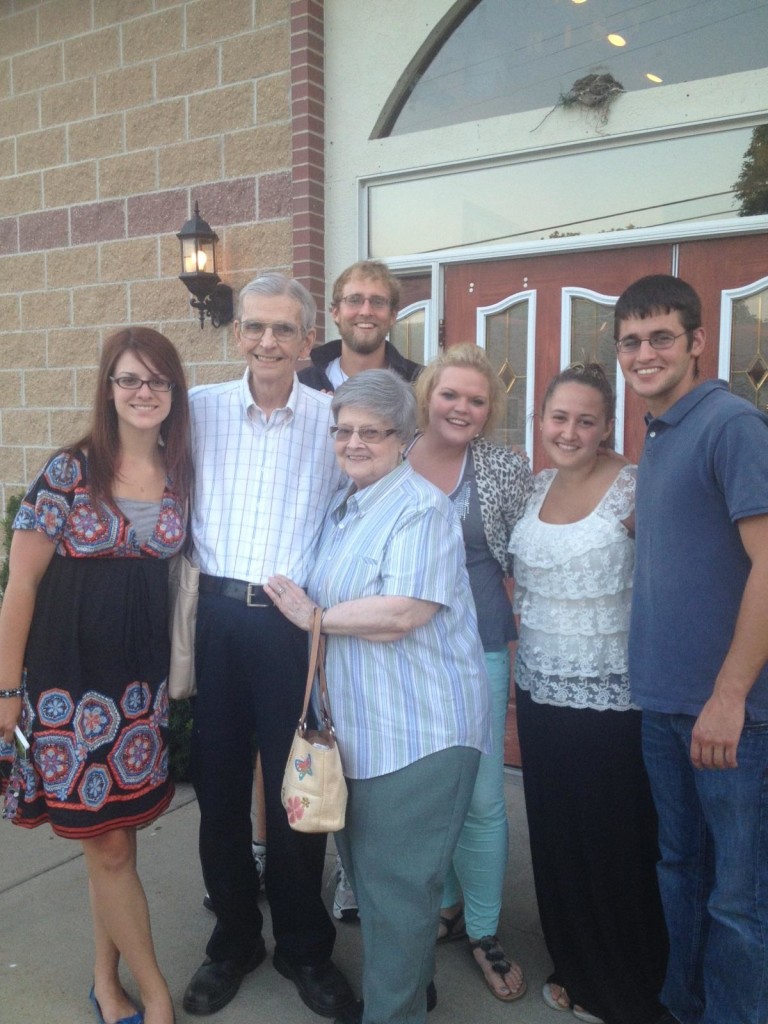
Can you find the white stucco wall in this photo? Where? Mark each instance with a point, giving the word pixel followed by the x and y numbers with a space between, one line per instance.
pixel 369 44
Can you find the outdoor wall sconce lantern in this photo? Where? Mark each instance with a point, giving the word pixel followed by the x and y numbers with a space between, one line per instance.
pixel 198 271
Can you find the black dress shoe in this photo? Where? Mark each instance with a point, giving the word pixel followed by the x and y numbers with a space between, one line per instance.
pixel 323 988
pixel 216 982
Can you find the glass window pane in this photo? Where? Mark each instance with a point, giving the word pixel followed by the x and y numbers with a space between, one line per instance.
pixel 505 57
pixel 506 345
pixel 612 189
pixel 749 349
pixel 407 335
pixel 592 336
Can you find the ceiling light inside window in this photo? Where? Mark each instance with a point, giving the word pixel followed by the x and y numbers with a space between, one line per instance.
pixel 616 40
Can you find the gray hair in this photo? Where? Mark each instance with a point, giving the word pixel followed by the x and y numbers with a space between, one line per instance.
pixel 273 285
pixel 384 394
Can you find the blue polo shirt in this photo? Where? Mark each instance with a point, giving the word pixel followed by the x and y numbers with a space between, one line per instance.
pixel 704 467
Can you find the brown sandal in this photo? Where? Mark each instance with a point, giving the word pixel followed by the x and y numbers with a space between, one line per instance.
pixel 496 957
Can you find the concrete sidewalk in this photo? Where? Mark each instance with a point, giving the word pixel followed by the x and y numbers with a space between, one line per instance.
pixel 46 947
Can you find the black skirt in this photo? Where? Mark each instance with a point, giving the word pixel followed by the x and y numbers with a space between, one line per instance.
pixel 592 828
pixel 96 700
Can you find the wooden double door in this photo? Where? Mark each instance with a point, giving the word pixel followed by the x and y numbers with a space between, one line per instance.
pixel 535 314
pixel 560 282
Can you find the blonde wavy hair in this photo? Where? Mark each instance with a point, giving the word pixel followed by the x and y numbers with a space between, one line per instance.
pixel 461 357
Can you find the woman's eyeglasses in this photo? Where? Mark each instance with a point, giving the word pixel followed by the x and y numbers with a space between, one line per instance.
pixel 368 435
pixel 130 382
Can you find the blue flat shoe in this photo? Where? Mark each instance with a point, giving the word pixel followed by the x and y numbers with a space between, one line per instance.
pixel 136 1018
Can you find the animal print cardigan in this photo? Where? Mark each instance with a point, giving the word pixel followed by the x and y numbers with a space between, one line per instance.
pixel 504 483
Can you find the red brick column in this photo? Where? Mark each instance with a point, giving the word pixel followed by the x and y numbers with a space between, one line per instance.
pixel 308 135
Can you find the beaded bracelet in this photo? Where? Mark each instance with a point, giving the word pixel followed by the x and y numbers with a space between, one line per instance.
pixel 15 692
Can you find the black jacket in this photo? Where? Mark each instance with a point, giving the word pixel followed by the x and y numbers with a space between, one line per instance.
pixel 314 376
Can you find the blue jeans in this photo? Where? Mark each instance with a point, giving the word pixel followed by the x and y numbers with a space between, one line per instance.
pixel 713 873
pixel 480 858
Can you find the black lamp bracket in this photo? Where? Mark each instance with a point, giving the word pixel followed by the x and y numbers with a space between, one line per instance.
pixel 218 305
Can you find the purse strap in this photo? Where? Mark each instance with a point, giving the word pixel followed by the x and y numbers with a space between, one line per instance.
pixel 316 668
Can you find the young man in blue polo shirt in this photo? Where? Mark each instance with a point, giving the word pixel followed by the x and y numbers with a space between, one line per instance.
pixel 698 653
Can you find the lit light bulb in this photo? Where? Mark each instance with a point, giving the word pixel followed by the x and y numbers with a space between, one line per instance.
pixel 653 78
pixel 616 40
pixel 195 262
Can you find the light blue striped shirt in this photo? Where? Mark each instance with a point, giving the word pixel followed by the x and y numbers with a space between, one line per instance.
pixel 394 703
pixel 262 484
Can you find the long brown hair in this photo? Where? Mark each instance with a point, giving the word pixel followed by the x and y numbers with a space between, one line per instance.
pixel 102 440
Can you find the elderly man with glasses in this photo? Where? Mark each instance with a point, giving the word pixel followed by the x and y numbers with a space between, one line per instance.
pixel 265 473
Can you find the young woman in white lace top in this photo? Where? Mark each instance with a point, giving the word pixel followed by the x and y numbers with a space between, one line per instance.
pixel 590 814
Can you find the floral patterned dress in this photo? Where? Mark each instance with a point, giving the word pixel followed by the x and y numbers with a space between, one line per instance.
pixel 95 705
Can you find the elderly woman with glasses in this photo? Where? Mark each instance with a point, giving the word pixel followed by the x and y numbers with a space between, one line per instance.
pixel 407 683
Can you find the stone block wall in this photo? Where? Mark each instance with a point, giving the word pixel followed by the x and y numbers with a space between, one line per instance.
pixel 115 116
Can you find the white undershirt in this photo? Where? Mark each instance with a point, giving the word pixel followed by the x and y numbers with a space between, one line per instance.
pixel 335 374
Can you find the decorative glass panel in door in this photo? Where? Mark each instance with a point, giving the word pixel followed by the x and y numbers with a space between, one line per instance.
pixel 506 331
pixel 587 337
pixel 409 332
pixel 744 341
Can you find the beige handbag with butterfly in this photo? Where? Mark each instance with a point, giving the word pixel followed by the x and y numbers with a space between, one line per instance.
pixel 314 792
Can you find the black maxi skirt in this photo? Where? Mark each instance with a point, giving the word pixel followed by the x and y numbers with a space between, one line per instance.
pixel 592 827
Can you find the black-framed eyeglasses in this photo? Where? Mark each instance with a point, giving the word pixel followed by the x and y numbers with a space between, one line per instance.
pixel 657 340
pixel 131 382
pixel 254 330
pixel 358 301
pixel 368 435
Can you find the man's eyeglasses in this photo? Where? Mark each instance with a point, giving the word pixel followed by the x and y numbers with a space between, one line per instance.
pixel 130 382
pixel 254 330
pixel 368 435
pixel 358 301
pixel 657 340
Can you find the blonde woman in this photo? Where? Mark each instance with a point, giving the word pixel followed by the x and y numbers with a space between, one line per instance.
pixel 459 401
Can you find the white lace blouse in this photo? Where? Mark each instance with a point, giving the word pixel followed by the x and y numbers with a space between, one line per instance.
pixel 573 586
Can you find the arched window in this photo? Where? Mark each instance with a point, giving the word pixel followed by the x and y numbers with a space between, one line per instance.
pixel 490 57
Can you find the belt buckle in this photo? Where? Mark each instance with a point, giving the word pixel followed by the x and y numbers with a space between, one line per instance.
pixel 250 597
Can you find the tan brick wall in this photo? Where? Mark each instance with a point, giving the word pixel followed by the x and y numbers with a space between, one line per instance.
pixel 115 116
